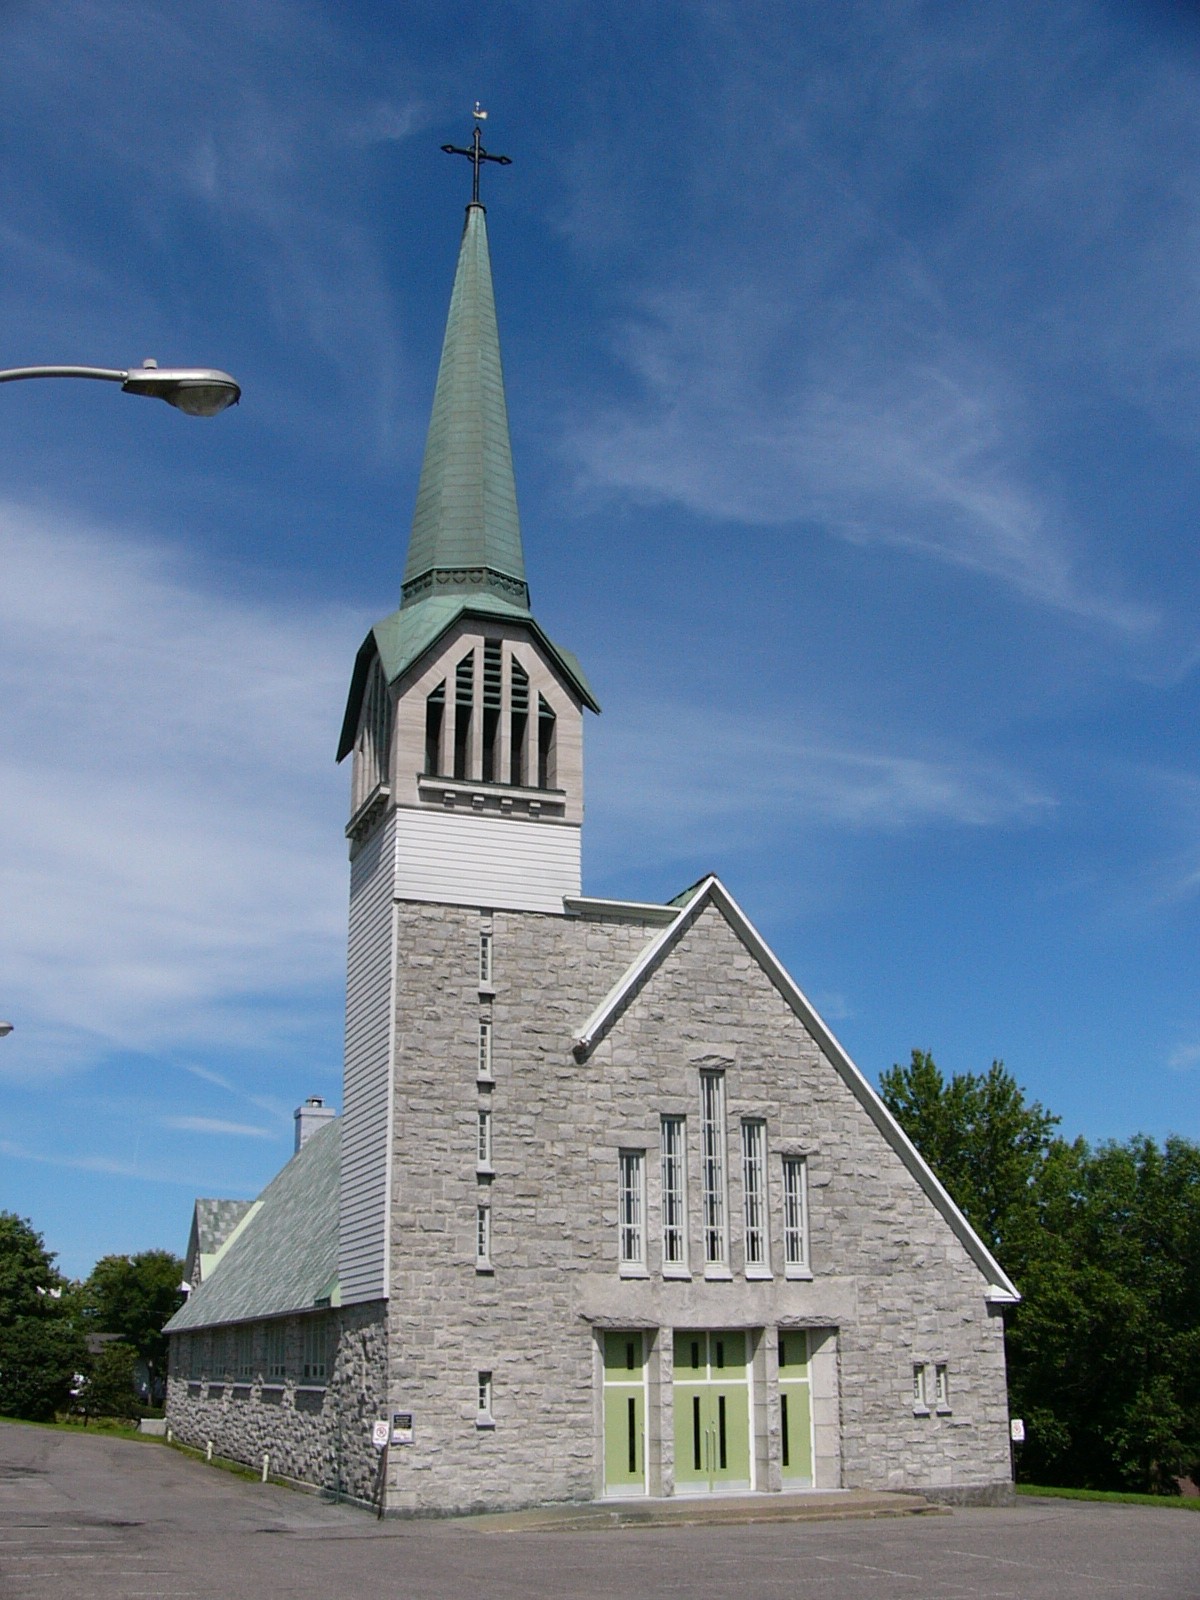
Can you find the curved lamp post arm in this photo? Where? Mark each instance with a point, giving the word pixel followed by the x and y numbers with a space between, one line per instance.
pixel 200 391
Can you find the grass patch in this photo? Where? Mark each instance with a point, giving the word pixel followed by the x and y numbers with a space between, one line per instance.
pixel 239 1469
pixel 110 1427
pixel 1118 1497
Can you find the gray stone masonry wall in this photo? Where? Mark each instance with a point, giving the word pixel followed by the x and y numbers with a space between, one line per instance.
pixel 312 1434
pixel 891 1283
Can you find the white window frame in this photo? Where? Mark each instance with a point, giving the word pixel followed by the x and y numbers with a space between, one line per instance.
pixel 484 1069
pixel 920 1389
pixel 483 1140
pixel 483 1412
pixel 483 1238
pixel 797 1262
pixel 756 1227
pixel 673 1157
pixel 485 958
pixel 631 1218
pixel 941 1386
pixel 712 1166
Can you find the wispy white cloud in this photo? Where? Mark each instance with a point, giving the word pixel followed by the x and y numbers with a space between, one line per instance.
pixel 1184 1058
pixel 218 1125
pixel 687 779
pixel 168 867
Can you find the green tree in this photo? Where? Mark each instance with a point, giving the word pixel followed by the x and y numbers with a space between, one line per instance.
pixel 986 1144
pixel 134 1296
pixel 109 1389
pixel 41 1347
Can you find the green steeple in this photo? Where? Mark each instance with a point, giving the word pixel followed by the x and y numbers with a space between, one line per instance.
pixel 466 534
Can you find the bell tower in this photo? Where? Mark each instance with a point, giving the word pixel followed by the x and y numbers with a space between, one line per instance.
pixel 465 724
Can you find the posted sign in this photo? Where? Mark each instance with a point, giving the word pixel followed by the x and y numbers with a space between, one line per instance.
pixel 1017 1429
pixel 402 1427
pixel 379 1434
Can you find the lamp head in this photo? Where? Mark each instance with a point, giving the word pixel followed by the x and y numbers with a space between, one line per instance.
pixel 200 391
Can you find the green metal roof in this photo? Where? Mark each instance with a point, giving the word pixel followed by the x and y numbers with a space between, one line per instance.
pixel 283 1257
pixel 466 534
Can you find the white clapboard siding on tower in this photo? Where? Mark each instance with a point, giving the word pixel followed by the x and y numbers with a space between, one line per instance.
pixel 460 858
pixel 367 1106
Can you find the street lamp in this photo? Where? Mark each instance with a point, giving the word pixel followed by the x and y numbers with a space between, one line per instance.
pixel 200 391
pixel 5 1029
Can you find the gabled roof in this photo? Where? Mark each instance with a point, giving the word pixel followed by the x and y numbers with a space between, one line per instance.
pixel 402 639
pixel 711 891
pixel 282 1257
pixel 212 1223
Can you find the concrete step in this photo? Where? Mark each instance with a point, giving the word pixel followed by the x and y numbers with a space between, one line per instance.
pixel 708 1510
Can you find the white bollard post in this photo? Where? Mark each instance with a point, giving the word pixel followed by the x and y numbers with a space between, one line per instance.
pixel 266 1465
pixel 208 1451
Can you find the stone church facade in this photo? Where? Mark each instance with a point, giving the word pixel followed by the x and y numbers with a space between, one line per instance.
pixel 608 1210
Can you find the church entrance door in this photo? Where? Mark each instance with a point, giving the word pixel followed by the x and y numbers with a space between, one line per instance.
pixel 712 1412
pixel 625 1413
pixel 795 1410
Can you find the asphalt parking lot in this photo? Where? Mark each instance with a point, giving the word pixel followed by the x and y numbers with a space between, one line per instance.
pixel 106 1518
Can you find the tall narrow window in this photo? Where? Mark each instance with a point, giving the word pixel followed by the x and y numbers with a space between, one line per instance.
pixel 485 959
pixel 491 707
pixel 674 1195
pixel 483 1238
pixel 795 1216
pixel 519 745
pixel 195 1355
pixel 754 1196
pixel 244 1369
pixel 633 1207
pixel 712 1129
pixel 485 1050
pixel 371 745
pixel 435 714
pixel 483 1389
pixel 547 746
pixel 464 700
pixel 920 1398
pixel 941 1386
pixel 483 1153
pixel 276 1351
pixel 316 1349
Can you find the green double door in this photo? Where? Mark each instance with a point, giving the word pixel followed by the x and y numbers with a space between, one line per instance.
pixel 712 1411
pixel 624 1413
pixel 795 1410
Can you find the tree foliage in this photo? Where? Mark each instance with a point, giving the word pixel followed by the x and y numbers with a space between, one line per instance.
pixel 41 1346
pixel 134 1296
pixel 1104 1245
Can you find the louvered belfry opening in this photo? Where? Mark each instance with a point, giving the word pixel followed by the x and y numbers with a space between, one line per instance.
pixel 519 730
pixel 435 716
pixel 464 701
pixel 491 707
pixel 547 774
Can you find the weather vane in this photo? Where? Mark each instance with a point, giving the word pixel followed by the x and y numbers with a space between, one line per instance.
pixel 476 155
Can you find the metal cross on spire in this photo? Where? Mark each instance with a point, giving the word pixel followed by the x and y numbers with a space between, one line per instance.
pixel 477 155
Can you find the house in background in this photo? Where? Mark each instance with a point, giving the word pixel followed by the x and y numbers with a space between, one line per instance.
pixel 608 1210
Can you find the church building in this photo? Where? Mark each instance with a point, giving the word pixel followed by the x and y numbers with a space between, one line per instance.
pixel 608 1211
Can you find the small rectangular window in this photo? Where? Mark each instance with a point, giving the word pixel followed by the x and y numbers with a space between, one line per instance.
pixel 483 1154
pixel 485 958
pixel 632 1208
pixel 196 1355
pixel 920 1398
pixel 941 1386
pixel 712 1127
pixel 754 1187
pixel 276 1351
pixel 483 1237
pixel 483 1403
pixel 485 1050
pixel 316 1355
pixel 795 1216
pixel 674 1195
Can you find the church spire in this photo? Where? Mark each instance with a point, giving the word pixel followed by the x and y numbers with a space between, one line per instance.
pixel 466 533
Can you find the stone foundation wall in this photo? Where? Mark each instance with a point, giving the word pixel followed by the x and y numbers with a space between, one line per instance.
pixel 315 1434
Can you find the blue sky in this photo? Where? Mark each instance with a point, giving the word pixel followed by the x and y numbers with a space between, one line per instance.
pixel 853 366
